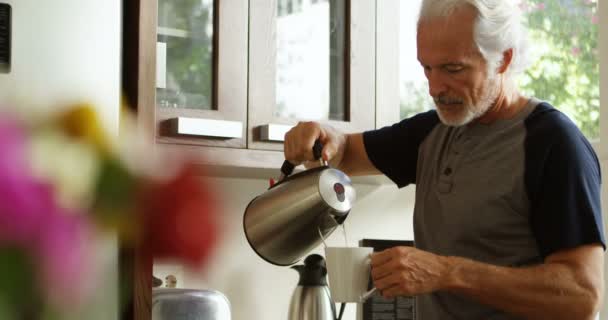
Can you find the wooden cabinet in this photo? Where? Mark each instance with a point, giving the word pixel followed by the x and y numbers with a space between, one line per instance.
pixel 310 60
pixel 192 68
pixel 227 78
pixel 265 66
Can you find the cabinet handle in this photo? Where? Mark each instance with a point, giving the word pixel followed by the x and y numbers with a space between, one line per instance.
pixel 274 132
pixel 161 65
pixel 206 127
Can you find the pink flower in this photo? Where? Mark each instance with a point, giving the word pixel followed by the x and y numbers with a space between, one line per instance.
pixel 575 51
pixel 65 254
pixel 524 7
pixel 594 19
pixel 32 220
pixel 12 147
pixel 541 6
pixel 23 200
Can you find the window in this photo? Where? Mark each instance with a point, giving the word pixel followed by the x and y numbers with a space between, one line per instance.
pixel 565 67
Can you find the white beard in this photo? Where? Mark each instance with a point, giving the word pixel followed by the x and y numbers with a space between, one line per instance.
pixel 472 112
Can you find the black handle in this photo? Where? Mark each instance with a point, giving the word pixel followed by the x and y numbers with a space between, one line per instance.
pixel 316 149
pixel 287 167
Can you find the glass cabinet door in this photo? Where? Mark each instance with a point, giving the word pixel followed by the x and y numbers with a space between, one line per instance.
pixel 201 58
pixel 310 60
pixel 185 54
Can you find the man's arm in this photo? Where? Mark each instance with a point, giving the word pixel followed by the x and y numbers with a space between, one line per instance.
pixel 344 151
pixel 568 285
pixel 355 160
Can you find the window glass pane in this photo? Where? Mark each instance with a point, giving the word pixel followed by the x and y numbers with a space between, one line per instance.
pixel 565 73
pixel 185 54
pixel 310 72
pixel 565 68
pixel 413 87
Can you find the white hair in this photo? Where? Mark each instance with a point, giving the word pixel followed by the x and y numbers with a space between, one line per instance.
pixel 497 29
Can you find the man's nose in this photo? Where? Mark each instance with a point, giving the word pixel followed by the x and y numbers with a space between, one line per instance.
pixel 436 84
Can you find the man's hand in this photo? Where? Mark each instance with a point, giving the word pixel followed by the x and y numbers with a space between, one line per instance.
pixel 407 271
pixel 568 285
pixel 301 138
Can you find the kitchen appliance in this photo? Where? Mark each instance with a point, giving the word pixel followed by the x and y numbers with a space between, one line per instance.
pixel 311 299
pixel 297 213
pixel 191 304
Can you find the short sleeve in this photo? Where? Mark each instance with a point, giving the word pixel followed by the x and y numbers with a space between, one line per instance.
pixel 563 182
pixel 394 149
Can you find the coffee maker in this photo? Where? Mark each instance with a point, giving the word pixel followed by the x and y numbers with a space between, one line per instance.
pixel 311 299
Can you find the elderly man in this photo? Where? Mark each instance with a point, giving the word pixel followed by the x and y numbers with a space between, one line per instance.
pixel 507 221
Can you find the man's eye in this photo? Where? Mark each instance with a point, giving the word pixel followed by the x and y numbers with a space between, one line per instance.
pixel 453 69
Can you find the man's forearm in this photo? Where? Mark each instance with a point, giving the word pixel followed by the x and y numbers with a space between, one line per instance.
pixel 354 160
pixel 546 291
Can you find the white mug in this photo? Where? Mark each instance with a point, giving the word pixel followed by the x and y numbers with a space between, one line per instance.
pixel 348 270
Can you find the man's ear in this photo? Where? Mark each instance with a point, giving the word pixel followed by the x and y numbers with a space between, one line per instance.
pixel 507 58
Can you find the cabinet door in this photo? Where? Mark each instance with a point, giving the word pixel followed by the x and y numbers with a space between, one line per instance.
pixel 310 60
pixel 201 72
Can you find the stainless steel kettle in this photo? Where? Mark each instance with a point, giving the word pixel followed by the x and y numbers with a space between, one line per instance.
pixel 173 303
pixel 294 216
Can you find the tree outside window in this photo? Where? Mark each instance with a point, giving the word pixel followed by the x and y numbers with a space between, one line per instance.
pixel 564 72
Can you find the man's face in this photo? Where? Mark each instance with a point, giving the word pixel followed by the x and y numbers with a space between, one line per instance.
pixel 455 69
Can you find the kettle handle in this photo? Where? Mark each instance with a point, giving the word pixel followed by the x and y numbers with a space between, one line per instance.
pixel 287 167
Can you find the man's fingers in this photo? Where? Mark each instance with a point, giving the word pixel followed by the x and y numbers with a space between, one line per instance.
pixel 381 257
pixel 388 281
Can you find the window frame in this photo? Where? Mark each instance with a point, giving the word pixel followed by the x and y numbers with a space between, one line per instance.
pixel 602 150
pixel 603 48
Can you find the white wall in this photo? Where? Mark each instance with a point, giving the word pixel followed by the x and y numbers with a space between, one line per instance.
pixel 67 51
pixel 259 290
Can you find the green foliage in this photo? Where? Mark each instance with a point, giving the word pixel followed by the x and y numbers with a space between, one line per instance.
pixel 564 37
pixel 414 99
pixel 18 289
pixel 566 73
pixel 189 59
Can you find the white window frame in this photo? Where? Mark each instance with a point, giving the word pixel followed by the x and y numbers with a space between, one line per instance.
pixel 602 149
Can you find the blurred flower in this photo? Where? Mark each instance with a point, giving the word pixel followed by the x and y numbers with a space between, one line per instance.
pixel 189 232
pixel 64 182
pixel 31 219
pixel 595 19
pixel 81 121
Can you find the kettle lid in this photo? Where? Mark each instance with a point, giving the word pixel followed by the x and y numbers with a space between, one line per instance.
pixel 313 272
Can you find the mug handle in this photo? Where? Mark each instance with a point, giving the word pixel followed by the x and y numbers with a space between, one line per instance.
pixel 370 292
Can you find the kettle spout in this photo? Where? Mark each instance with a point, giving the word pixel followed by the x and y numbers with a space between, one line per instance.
pixel 340 219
